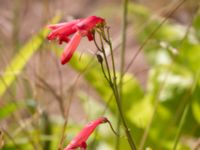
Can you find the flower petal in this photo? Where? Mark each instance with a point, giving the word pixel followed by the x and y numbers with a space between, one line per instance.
pixel 63 39
pixel 89 23
pixel 63 29
pixel 70 48
pixel 90 36
pixel 80 139
pixel 55 26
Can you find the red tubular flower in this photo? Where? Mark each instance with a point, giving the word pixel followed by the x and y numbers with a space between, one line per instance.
pixel 89 23
pixel 70 48
pixel 80 140
pixel 62 30
pixel 79 27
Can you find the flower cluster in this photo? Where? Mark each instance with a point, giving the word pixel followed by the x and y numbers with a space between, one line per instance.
pixel 80 140
pixel 79 28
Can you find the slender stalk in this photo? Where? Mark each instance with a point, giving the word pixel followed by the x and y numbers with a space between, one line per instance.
pixel 156 99
pixel 127 130
pixel 106 61
pixel 118 132
pixel 111 127
pixel 112 80
pixel 122 58
pixel 108 41
pixel 47 130
pixel 104 73
pixel 183 118
pixel 185 112
pixel 123 46
pixel 114 87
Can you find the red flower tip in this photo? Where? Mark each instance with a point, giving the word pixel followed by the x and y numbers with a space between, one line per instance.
pixel 81 138
pixel 55 26
pixel 79 27
pixel 70 48
pixel 90 36
pixel 90 22
pixel 62 29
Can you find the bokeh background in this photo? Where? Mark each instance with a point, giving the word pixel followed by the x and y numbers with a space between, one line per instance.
pixel 42 101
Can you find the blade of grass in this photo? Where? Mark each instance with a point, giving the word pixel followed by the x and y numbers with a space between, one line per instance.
pixel 185 112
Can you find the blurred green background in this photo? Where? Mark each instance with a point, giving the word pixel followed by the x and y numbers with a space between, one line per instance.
pixel 161 90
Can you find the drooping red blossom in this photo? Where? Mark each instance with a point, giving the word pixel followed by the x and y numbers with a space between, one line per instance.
pixel 89 23
pixel 62 30
pixel 80 140
pixel 78 28
pixel 70 48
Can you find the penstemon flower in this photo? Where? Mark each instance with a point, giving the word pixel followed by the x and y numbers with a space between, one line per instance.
pixel 80 140
pixel 79 28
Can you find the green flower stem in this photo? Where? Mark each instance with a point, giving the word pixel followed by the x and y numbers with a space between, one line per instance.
pixel 113 84
pixel 127 130
pixel 106 61
pixel 123 46
pixel 105 38
pixel 122 59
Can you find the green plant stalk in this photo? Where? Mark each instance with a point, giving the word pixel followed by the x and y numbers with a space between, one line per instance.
pixel 123 46
pixel 183 117
pixel 114 87
pixel 105 58
pixel 157 102
pixel 47 130
pixel 117 146
pixel 122 59
pixel 112 80
pixel 127 130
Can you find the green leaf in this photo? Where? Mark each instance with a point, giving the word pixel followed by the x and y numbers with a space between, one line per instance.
pixel 196 111
pixel 189 56
pixel 196 25
pixel 7 110
pixel 196 104
pixel 141 117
